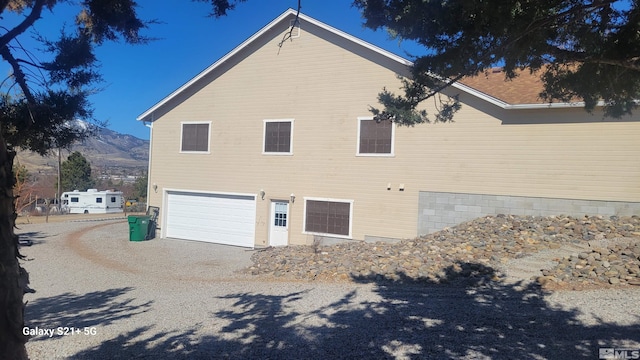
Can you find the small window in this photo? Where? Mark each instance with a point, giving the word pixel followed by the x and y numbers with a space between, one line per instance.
pixel 195 137
pixel 113 199
pixel 328 217
pixel 75 199
pixel 375 138
pixel 99 200
pixel 280 215
pixel 277 137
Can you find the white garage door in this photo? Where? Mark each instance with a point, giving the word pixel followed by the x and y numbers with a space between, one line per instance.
pixel 216 218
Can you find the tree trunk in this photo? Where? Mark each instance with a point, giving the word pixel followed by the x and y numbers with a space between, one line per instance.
pixel 12 276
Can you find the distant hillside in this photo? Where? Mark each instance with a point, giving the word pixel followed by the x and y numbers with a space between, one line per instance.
pixel 107 152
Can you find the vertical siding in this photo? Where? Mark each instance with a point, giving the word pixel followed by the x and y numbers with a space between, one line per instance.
pixel 325 88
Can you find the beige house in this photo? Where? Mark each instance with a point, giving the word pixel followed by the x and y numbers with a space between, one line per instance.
pixel 274 144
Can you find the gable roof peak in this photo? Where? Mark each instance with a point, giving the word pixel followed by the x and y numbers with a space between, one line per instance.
pixel 471 87
pixel 148 114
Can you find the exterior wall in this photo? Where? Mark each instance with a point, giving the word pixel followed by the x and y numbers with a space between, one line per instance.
pixel 325 83
pixel 438 210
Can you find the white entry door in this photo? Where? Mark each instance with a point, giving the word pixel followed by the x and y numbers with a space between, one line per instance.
pixel 279 228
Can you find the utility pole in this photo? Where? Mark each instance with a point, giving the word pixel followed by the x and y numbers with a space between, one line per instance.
pixel 59 180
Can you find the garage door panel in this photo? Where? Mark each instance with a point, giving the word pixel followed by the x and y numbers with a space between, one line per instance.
pixel 218 218
pixel 224 220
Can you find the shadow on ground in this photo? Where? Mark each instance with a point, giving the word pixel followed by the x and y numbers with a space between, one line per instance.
pixel 94 309
pixel 468 317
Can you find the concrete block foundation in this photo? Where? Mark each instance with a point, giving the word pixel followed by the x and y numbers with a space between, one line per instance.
pixel 438 210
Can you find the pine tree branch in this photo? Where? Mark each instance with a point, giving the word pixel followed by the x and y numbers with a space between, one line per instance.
pixel 36 11
pixel 631 64
pixel 3 5
pixel 5 50
pixel 535 26
pixel 18 74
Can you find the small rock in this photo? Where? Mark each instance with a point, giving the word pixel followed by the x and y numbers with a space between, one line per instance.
pixel 545 280
pixel 628 227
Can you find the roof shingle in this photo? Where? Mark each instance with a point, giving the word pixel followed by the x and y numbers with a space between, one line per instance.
pixel 524 89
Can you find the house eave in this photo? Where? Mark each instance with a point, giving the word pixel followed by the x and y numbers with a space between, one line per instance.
pixel 212 67
pixel 531 106
pixel 563 105
pixel 147 116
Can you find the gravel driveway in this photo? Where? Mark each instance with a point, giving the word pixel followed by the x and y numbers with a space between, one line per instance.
pixel 186 300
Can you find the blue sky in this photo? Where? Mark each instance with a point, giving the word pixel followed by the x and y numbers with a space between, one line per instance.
pixel 136 77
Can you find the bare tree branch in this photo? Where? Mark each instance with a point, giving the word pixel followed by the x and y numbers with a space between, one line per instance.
pixel 295 23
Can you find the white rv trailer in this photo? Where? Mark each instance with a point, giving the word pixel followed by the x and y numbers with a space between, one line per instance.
pixel 92 201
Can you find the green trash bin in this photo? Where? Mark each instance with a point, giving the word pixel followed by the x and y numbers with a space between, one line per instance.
pixel 138 227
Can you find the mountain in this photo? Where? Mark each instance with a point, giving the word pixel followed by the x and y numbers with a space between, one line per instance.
pixel 108 152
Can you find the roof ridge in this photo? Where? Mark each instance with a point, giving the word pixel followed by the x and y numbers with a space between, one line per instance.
pixel 470 87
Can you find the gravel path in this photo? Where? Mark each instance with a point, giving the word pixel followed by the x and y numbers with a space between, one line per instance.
pixel 529 267
pixel 189 300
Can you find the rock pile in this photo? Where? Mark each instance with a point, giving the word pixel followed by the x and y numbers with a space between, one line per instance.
pixel 616 262
pixel 472 249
